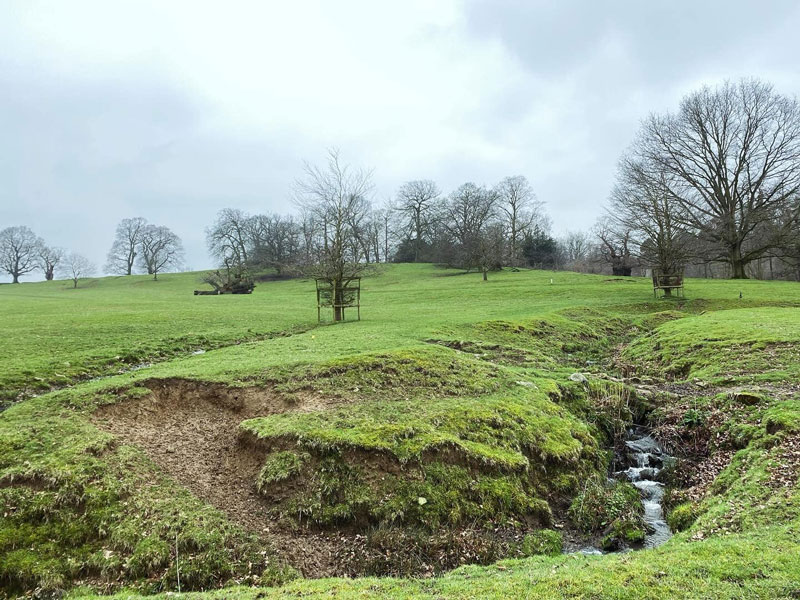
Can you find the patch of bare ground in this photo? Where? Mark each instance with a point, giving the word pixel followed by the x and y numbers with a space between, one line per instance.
pixel 190 429
pixel 786 471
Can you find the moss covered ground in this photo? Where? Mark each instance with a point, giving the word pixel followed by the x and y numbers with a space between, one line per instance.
pixel 449 406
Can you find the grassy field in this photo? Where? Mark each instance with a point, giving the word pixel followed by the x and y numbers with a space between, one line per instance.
pixel 447 408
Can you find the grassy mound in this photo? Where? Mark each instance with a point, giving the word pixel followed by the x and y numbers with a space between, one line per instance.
pixel 412 455
pixel 758 344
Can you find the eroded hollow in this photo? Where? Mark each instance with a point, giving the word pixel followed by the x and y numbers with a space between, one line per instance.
pixel 191 430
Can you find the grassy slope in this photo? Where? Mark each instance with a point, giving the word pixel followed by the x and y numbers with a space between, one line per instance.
pixel 50 438
pixel 52 335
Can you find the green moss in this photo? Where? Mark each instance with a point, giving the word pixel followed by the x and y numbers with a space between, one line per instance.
pixel 614 507
pixel 543 542
pixel 682 516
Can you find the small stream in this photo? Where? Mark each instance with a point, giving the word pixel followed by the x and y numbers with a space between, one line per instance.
pixel 645 459
pixel 640 463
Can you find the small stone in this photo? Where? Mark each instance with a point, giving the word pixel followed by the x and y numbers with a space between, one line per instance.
pixel 578 377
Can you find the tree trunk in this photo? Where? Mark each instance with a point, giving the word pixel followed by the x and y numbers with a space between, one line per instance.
pixel 338 311
pixel 155 275
pixel 485 278
pixel 737 264
pixel 74 284
pixel 16 278
pixel 48 274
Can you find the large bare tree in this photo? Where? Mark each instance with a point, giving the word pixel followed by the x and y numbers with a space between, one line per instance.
pixel 275 240
pixel 731 156
pixel 128 237
pixel 230 237
pixel 518 208
pixel 160 248
pixel 642 204
pixel 415 203
pixel 466 218
pixel 335 200
pixel 19 251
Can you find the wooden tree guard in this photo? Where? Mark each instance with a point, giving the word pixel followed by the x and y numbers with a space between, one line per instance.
pixel 667 283
pixel 349 296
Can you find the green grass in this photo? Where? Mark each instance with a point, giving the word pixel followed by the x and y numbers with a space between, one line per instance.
pixel 451 390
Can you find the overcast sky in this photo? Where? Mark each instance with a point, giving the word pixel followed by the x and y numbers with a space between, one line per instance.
pixel 173 110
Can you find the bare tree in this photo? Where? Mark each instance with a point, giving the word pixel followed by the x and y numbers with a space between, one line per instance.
pixel 614 245
pixel 576 246
pixel 641 204
pixel 490 248
pixel 275 240
pixel 469 211
pixel 48 260
pixel 230 237
pixel 415 203
pixel 732 158
pixel 519 208
pixel 76 267
pixel 122 255
pixel 334 199
pixel 159 249
pixel 19 251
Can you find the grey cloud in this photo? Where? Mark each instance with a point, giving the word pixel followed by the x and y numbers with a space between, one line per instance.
pixel 178 122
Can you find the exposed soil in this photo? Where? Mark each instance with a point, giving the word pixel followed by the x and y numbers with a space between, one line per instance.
pixel 191 430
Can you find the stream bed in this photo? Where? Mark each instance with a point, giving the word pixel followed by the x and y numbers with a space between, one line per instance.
pixel 645 459
pixel 640 463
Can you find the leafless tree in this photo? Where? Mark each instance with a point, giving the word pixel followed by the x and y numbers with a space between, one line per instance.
pixel 468 213
pixel 76 267
pixel 614 245
pixel 159 249
pixel 48 260
pixel 641 203
pixel 415 203
pixel 576 246
pixel 229 238
pixel 732 157
pixel 518 208
pixel 19 251
pixel 275 241
pixel 122 255
pixel 335 199
pixel 490 248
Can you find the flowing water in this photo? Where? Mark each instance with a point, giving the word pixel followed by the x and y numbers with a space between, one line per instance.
pixel 646 459
pixel 642 461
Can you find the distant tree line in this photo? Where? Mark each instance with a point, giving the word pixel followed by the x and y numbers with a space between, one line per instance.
pixel 712 189
pixel 23 252
pixel 338 231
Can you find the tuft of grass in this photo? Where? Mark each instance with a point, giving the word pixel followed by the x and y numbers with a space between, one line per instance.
pixel 545 542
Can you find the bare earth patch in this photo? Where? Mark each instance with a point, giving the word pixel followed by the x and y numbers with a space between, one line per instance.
pixel 191 430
